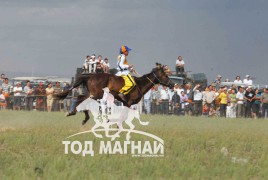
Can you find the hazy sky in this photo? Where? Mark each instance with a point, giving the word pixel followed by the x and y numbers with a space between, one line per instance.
pixel 227 37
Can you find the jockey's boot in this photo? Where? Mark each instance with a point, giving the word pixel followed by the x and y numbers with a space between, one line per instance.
pixel 122 96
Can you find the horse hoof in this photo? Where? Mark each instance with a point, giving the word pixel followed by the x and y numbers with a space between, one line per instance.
pixel 84 122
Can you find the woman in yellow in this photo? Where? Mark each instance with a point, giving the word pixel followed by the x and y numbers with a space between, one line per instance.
pixel 124 71
pixel 223 103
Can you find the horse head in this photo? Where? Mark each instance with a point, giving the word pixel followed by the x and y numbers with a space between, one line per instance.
pixel 161 73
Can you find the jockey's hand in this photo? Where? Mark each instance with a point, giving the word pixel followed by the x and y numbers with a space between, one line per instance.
pixel 130 66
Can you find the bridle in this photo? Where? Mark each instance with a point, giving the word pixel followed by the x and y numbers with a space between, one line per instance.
pixel 159 81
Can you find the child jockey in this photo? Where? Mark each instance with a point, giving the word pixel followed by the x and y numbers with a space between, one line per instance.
pixel 124 71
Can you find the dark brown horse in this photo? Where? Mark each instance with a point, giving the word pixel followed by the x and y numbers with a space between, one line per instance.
pixel 96 82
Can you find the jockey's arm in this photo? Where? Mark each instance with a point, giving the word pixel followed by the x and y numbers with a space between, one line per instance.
pixel 121 63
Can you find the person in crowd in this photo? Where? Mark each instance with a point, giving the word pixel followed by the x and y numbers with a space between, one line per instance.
pixel 227 80
pixel 179 88
pixel 180 65
pixel 164 100
pixel 28 96
pixel 197 101
pixel 229 110
pixel 223 102
pixel 237 79
pixel 248 81
pixel 233 87
pixel 2 79
pixel 40 92
pixel 67 100
pixel 190 94
pixel 17 96
pixel 217 82
pixel 264 101
pixel 233 103
pixel 86 64
pixel 92 64
pixel 183 100
pixel 2 100
pixel 147 102
pixel 99 67
pixel 49 93
pixel 106 65
pixel 240 102
pixel 205 110
pixel 212 112
pixel 250 98
pixel 209 96
pixel 56 103
pixel 155 97
pixel 176 103
pixel 75 94
pixel 6 87
pixel 256 105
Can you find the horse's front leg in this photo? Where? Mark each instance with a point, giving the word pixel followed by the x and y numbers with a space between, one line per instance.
pixel 87 117
pixel 131 126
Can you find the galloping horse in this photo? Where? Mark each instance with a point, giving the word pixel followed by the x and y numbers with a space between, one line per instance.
pixel 96 82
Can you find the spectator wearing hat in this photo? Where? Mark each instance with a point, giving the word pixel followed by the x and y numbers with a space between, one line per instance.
pixel 250 98
pixel 237 79
pixel 28 96
pixel 180 65
pixel 264 101
pixel 248 81
pixel 17 96
pixel 217 82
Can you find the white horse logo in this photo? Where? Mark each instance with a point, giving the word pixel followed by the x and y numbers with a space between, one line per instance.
pixel 106 113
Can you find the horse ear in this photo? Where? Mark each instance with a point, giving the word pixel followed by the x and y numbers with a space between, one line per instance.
pixel 158 65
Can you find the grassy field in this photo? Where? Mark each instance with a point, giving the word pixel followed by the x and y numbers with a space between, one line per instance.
pixel 195 148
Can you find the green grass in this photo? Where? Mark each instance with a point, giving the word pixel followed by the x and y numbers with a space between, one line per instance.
pixel 31 148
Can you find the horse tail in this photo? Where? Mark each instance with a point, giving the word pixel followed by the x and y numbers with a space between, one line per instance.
pixel 143 123
pixel 82 79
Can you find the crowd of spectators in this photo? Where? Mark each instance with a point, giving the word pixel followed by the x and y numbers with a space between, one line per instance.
pixel 213 100
pixel 93 65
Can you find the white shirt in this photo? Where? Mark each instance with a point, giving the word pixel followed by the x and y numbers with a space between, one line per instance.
pixel 178 62
pixel 106 64
pixel 17 89
pixel 164 94
pixel 198 95
pixel 147 95
pixel 123 69
pixel 247 82
pixel 240 95
pixel 238 81
pixel 2 97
